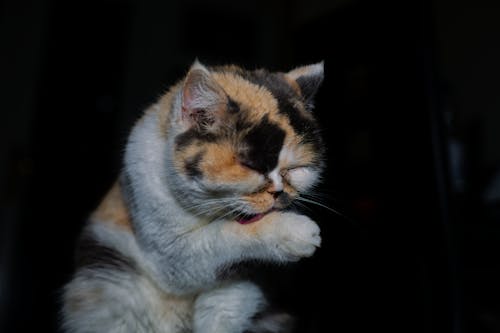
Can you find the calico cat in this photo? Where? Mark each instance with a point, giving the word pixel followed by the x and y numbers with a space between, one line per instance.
pixel 208 174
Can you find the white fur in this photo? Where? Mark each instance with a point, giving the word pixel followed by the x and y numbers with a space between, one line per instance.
pixel 309 70
pixel 303 178
pixel 276 179
pixel 295 236
pixel 228 308
pixel 287 156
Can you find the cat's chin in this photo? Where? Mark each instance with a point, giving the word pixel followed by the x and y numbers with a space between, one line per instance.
pixel 251 218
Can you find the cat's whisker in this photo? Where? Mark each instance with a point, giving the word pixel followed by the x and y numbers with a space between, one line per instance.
pixel 316 195
pixel 215 206
pixel 210 204
pixel 319 197
pixel 232 211
pixel 301 205
pixel 210 210
pixel 239 209
pixel 300 198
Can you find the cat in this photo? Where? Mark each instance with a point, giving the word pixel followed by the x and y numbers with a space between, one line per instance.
pixel 209 173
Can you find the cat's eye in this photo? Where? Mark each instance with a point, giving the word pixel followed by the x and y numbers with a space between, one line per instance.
pixel 284 172
pixel 248 164
pixel 300 177
pixel 287 173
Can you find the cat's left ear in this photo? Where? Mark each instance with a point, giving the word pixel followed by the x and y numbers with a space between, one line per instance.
pixel 202 98
pixel 309 79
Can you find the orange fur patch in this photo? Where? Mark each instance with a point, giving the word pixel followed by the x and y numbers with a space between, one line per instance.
pixel 112 209
pixel 249 95
pixel 295 86
pixel 261 202
pixel 221 165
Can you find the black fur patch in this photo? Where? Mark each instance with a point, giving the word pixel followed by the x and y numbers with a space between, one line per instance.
pixel 91 253
pixel 309 85
pixel 283 200
pixel 232 106
pixel 272 320
pixel 186 138
pixel 284 94
pixel 302 125
pixel 264 142
pixel 192 166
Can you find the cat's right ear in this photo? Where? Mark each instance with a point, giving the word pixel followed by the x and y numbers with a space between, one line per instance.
pixel 308 78
pixel 202 98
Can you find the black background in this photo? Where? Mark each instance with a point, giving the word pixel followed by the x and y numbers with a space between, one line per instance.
pixel 409 110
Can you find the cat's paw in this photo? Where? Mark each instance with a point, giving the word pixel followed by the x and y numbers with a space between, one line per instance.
pixel 297 236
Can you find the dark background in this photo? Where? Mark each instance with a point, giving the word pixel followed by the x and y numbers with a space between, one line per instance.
pixel 409 109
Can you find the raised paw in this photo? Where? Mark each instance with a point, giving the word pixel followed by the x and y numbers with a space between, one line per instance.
pixel 296 235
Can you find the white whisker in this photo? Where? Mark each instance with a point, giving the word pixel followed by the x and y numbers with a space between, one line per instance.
pixel 300 198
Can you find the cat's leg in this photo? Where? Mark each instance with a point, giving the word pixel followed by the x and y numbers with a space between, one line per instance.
pixel 235 308
pixel 192 261
pixel 228 309
pixel 278 236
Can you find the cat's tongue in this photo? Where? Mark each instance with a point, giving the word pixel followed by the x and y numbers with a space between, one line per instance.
pixel 249 218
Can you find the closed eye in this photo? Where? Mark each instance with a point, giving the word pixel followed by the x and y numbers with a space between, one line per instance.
pixel 248 165
pixel 284 172
pixel 301 177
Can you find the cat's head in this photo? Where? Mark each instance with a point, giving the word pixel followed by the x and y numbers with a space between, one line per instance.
pixel 244 142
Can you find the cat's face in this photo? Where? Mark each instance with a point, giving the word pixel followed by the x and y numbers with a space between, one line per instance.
pixel 247 142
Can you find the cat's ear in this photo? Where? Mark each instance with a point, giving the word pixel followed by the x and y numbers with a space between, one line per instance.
pixel 309 79
pixel 202 98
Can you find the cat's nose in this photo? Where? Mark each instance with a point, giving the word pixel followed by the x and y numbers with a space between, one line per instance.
pixel 274 188
pixel 276 194
pixel 281 199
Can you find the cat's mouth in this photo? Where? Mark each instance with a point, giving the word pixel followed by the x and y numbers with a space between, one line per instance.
pixel 251 218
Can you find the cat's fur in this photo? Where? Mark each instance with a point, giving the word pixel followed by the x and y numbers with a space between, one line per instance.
pixel 208 172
